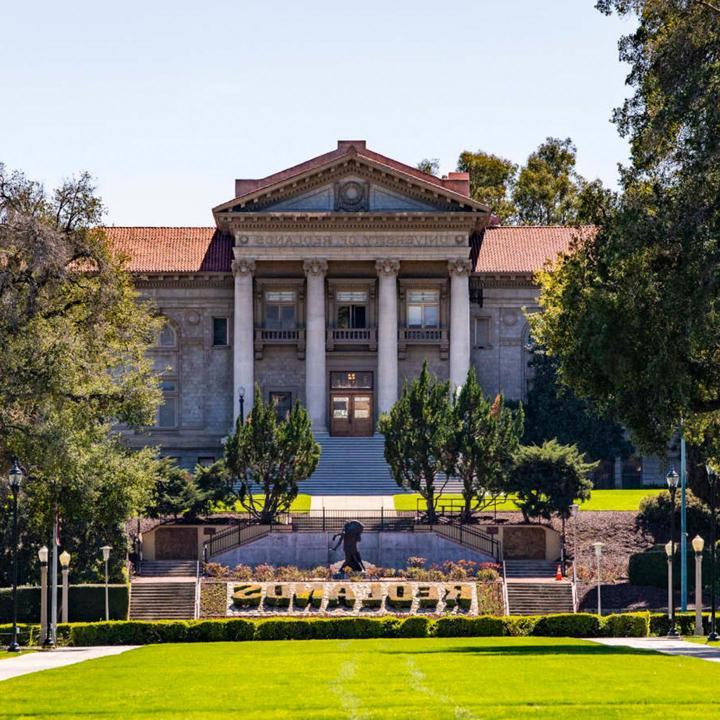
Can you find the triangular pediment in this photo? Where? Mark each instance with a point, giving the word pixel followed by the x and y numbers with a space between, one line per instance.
pixel 350 184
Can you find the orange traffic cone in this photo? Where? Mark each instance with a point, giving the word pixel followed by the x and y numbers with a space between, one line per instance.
pixel 558 573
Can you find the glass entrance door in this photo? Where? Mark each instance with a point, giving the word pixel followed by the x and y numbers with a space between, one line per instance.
pixel 351 413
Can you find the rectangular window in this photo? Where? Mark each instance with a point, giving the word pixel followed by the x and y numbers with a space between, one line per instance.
pixel 280 313
pixel 352 309
pixel 423 309
pixel 282 401
pixel 220 331
pixel 482 332
pixel 167 413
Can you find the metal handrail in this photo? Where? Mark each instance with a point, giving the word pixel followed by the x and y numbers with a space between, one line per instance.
pixel 196 609
pixel 470 537
pixel 506 597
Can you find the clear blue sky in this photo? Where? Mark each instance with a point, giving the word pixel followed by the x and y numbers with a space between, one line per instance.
pixel 165 103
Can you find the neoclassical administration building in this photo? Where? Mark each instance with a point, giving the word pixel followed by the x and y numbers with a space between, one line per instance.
pixel 331 282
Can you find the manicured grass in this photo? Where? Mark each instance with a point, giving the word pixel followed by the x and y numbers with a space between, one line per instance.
pixel 701 640
pixel 619 500
pixel 423 679
pixel 300 504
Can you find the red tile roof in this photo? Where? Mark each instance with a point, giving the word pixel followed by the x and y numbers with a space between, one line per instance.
pixel 524 249
pixel 172 249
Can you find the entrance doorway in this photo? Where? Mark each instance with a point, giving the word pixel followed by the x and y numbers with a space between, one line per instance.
pixel 351 404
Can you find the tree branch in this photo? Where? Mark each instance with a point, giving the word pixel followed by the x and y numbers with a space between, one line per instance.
pixel 709 6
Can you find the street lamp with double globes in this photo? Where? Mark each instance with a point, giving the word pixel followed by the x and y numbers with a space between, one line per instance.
pixel 712 481
pixel 698 544
pixel 106 556
pixel 672 483
pixel 241 399
pixel 14 480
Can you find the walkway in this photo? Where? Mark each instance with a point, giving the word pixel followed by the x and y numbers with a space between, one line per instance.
pixel 37 660
pixel 352 502
pixel 667 646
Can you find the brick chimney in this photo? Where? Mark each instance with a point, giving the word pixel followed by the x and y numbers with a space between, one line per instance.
pixel 458 182
pixel 345 144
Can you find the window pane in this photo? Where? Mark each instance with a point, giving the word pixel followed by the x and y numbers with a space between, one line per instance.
pixel 355 296
pixel 431 316
pixel 415 315
pixel 343 316
pixel 167 386
pixel 340 407
pixel 361 407
pixel 280 296
pixel 358 319
pixel 220 331
pixel 167 413
pixel 287 316
pixel 424 296
pixel 272 317
pixel 282 401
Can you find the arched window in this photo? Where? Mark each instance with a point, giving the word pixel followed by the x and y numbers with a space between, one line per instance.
pixel 167 337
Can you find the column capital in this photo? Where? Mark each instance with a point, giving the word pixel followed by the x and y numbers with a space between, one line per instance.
pixel 460 267
pixel 387 266
pixel 316 266
pixel 243 267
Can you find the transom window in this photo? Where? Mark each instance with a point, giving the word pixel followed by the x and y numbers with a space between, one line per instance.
pixel 423 309
pixel 352 309
pixel 280 310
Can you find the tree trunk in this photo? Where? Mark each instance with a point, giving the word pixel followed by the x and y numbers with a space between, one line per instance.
pixel 430 499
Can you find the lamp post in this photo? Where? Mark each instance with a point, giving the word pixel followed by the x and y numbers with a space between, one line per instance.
pixel 14 480
pixel 65 565
pixel 598 555
pixel 241 398
pixel 712 481
pixel 106 556
pixel 672 483
pixel 698 544
pixel 44 634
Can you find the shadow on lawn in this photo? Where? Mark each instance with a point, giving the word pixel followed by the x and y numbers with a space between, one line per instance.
pixel 528 650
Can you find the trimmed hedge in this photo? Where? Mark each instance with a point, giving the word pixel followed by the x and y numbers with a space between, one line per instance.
pixel 650 568
pixel 233 629
pixel 86 603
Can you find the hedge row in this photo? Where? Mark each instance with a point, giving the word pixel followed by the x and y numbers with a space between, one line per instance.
pixel 232 629
pixel 650 568
pixel 86 603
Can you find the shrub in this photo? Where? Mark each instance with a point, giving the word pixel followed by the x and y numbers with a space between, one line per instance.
pixel 216 570
pixel 654 516
pixel 485 626
pixel 414 627
pixel 416 562
pixel 242 572
pixel 685 623
pixel 264 572
pixel 237 629
pixel 490 598
pixel 650 568
pixel 247 595
pixel 627 625
pixel 519 625
pixel 568 625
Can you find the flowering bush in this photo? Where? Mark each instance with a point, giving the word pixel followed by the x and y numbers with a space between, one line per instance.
pixel 416 562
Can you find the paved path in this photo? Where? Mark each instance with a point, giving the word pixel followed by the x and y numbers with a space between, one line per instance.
pixel 667 646
pixel 352 502
pixel 47 660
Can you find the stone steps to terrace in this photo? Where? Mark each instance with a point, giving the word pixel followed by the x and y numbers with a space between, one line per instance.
pixel 168 568
pixel 354 466
pixel 533 590
pixel 162 600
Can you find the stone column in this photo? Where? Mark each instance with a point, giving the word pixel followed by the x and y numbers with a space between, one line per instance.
pixel 387 357
pixel 243 336
pixel 459 320
pixel 316 399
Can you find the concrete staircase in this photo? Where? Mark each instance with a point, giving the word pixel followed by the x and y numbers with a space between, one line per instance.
pixel 168 568
pixel 162 600
pixel 354 466
pixel 532 589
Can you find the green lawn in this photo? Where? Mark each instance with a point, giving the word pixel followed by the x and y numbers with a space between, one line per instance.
pixel 628 500
pixel 422 679
pixel 702 640
pixel 300 504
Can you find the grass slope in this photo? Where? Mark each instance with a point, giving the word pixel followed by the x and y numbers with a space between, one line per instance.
pixel 300 504
pixel 489 678
pixel 612 500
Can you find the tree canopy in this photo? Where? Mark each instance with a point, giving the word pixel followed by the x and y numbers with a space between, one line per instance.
pixel 418 430
pixel 269 457
pixel 486 435
pixel 73 338
pixel 632 315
